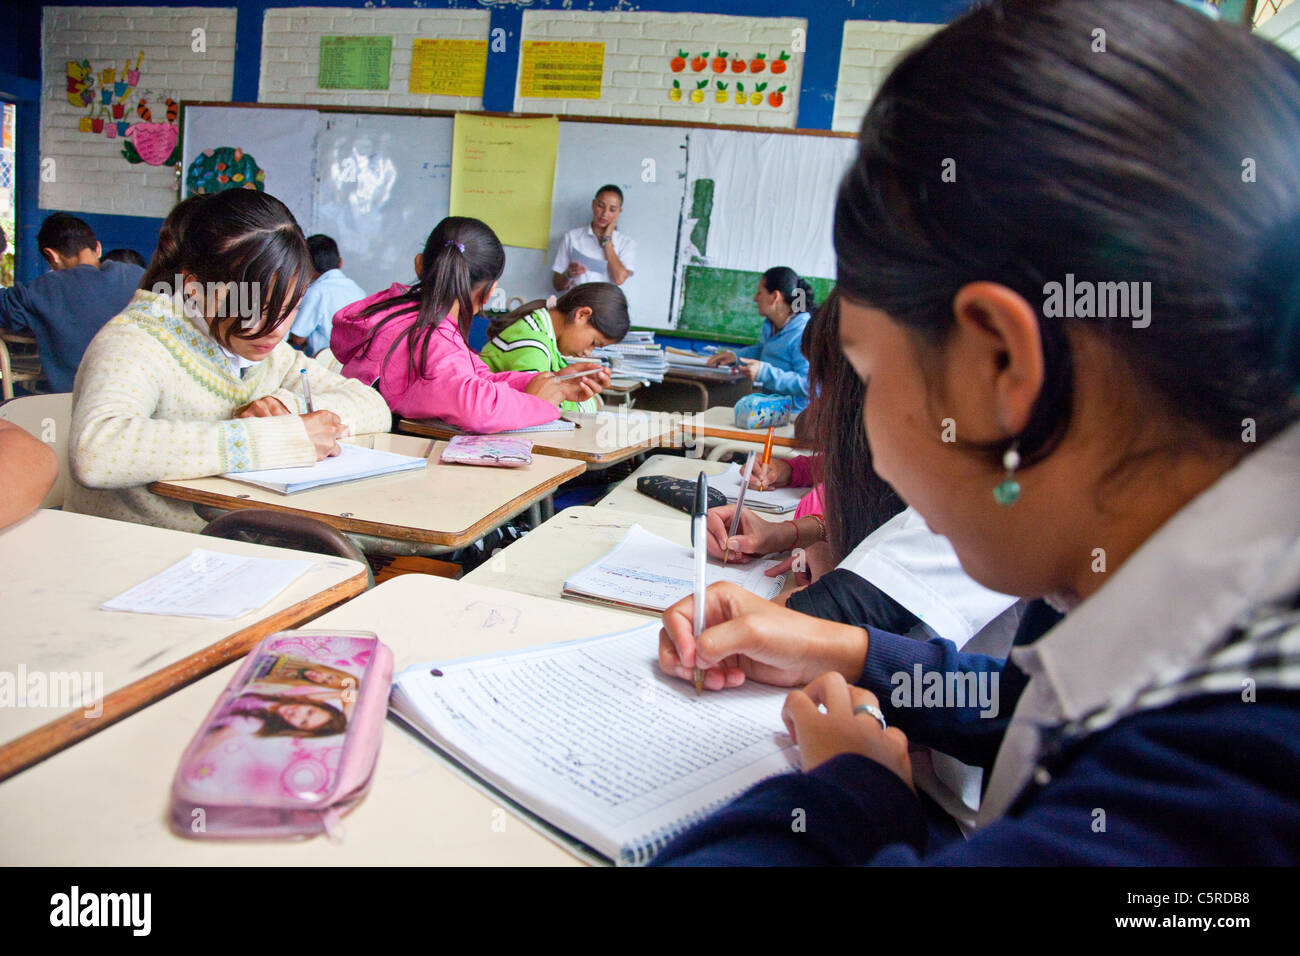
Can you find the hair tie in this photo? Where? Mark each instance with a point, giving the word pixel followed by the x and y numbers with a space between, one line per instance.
pixel 550 302
pixel 458 245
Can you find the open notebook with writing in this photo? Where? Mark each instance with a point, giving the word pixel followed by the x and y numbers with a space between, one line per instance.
pixel 648 573
pixel 595 740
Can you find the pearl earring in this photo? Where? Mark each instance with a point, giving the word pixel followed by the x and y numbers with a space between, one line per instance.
pixel 1007 491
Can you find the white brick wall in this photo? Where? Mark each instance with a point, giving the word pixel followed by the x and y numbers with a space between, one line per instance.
pixel 639 48
pixel 90 174
pixel 868 51
pixel 291 53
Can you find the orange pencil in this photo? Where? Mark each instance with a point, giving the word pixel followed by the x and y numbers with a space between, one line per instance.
pixel 767 456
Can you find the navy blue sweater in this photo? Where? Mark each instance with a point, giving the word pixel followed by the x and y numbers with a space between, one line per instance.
pixel 64 310
pixel 1205 781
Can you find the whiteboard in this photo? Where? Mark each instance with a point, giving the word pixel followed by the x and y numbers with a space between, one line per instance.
pixel 281 141
pixel 382 183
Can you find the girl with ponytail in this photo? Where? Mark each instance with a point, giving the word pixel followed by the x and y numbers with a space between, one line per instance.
pixel 411 342
pixel 538 335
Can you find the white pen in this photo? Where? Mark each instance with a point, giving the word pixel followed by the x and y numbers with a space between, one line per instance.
pixel 306 389
pixel 572 375
pixel 740 503
pixel 699 540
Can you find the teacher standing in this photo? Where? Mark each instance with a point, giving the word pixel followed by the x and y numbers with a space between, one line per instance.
pixel 596 252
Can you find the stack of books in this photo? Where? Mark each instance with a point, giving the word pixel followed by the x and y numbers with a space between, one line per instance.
pixel 636 357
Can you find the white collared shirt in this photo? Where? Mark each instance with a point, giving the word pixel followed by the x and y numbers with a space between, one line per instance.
pixel 581 246
pixel 1234 549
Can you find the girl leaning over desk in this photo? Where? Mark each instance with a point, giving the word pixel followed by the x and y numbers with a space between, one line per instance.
pixel 1140 472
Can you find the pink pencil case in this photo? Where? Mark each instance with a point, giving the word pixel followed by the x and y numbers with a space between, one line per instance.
pixel 291 744
pixel 492 450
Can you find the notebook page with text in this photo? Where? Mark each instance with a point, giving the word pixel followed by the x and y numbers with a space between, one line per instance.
pixel 593 738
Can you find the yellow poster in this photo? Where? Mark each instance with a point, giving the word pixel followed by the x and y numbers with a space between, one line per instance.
pixel 448 67
pixel 502 171
pixel 562 70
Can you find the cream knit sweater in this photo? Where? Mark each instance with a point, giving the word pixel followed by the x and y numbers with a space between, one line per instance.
pixel 152 402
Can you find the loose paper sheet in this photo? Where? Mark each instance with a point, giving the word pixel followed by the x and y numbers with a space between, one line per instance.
pixel 211 585
pixel 502 171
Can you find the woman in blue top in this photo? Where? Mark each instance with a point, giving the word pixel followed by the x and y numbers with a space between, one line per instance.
pixel 1129 455
pixel 777 363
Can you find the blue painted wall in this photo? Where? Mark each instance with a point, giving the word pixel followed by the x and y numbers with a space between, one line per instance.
pixel 20 56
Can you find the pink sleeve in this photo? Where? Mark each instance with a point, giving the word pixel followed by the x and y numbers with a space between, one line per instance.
pixel 804 470
pixel 518 380
pixel 811 504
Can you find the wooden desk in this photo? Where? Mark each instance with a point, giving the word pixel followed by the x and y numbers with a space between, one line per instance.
pixel 56 568
pixel 430 511
pixel 603 438
pixel 719 423
pixel 626 499
pixel 420 811
pixel 540 561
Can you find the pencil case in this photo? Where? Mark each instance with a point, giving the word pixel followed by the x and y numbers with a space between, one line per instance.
pixel 678 493
pixel 493 451
pixel 760 410
pixel 291 743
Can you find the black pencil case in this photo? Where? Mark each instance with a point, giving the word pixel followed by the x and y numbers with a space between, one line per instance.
pixel 677 493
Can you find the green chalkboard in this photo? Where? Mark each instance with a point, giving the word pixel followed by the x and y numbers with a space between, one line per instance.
pixel 719 303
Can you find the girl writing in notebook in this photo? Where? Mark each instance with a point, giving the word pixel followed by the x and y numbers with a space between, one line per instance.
pixel 195 378
pixel 412 341
pixel 1136 468
pixel 538 335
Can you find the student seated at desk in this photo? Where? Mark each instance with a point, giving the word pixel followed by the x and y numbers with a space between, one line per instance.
pixel 777 363
pixel 1136 470
pixel 195 378
pixel 538 335
pixel 330 291
pixel 28 468
pixel 412 341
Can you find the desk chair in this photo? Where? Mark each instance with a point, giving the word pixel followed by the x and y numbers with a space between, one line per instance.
pixel 49 418
pixel 18 365
pixel 282 530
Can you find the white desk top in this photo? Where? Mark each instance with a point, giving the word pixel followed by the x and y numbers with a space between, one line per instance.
pixel 603 438
pixel 419 811
pixel 540 561
pixel 56 568
pixel 445 505
pixel 625 498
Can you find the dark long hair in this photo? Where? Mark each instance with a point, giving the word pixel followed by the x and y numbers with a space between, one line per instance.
pixel 273 725
pixel 857 500
pixel 460 257
pixel 793 289
pixel 607 303
pixel 1008 148
pixel 236 236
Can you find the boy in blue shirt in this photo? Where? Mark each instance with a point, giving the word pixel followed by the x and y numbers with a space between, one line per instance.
pixel 331 291
pixel 64 308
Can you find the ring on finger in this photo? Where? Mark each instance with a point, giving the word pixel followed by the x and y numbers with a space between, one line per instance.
pixel 874 711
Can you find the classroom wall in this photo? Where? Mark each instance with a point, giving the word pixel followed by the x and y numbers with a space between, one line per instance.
pixel 868 51
pixel 270 29
pixel 83 167
pixel 638 77
pixel 291 41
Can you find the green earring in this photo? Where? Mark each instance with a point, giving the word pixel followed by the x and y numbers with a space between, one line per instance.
pixel 1007 491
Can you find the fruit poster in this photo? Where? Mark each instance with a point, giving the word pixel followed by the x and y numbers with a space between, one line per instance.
pixel 562 70
pixel 448 67
pixel 502 171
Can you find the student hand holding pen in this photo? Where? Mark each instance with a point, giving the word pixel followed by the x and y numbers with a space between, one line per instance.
pixel 771 474
pixel 748 638
pixel 560 388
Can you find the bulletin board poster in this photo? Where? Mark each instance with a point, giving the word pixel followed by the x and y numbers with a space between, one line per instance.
pixel 354 63
pixel 502 171
pixel 448 67
pixel 562 70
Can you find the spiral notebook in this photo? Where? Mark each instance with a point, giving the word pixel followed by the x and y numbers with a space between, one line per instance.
pixel 594 739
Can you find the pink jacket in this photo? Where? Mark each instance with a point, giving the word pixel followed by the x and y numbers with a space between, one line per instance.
pixel 459 388
pixel 805 471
